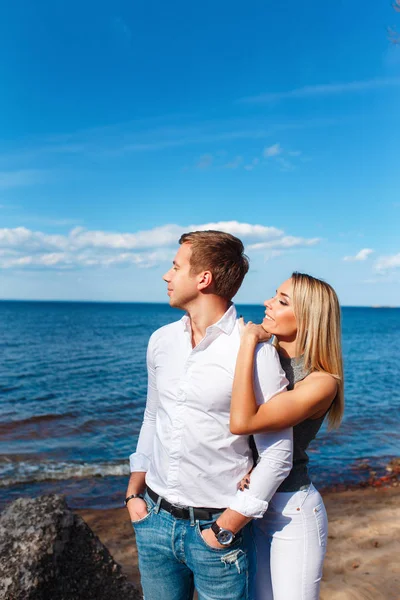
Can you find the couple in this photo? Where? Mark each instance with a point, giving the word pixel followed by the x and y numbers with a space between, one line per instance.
pixel 201 519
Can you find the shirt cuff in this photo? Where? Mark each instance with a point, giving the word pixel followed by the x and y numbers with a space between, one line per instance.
pixel 248 505
pixel 139 462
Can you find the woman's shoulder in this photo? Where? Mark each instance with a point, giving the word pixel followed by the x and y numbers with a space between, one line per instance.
pixel 324 381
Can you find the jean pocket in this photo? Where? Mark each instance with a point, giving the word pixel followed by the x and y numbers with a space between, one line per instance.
pixel 145 518
pixel 321 523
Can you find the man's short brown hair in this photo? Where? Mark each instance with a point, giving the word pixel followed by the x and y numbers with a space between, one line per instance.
pixel 223 255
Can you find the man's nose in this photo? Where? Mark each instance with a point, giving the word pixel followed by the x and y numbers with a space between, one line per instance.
pixel 166 277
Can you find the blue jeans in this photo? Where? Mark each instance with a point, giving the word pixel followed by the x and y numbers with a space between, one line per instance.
pixel 174 558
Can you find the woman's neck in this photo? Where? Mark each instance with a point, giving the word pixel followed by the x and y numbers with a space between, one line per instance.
pixel 287 349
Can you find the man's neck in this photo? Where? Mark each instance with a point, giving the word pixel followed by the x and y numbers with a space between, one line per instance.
pixel 204 314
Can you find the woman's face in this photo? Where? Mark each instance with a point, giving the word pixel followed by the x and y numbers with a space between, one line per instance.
pixel 279 316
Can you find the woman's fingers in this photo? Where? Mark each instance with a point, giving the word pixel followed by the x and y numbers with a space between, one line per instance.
pixel 244 484
pixel 242 325
pixel 254 330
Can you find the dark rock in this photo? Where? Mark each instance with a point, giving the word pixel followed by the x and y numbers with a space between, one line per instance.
pixel 49 553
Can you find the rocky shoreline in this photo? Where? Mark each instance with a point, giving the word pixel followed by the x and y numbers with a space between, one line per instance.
pixel 47 552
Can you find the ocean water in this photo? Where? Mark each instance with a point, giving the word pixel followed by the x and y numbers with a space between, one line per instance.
pixel 73 390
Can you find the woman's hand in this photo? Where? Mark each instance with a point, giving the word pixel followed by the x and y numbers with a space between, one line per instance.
pixel 253 331
pixel 245 482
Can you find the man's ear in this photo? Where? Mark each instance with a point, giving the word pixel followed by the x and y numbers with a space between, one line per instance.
pixel 205 280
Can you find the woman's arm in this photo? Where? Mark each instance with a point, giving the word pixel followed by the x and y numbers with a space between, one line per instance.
pixel 275 448
pixel 310 397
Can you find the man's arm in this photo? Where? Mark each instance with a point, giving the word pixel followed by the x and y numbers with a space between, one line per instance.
pixel 275 452
pixel 140 460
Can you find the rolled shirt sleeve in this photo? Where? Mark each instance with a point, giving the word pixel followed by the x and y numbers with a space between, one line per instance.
pixel 275 448
pixel 140 460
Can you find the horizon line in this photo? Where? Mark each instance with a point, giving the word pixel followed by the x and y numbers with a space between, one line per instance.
pixel 37 300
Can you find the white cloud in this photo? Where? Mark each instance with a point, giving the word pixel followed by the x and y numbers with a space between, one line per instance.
pixel 205 161
pixel 23 177
pixel 159 236
pixel 70 260
pixel 82 248
pixel 362 255
pixel 287 241
pixel 141 136
pixel 242 230
pixel 325 89
pixel 234 164
pixel 254 163
pixel 387 263
pixel 272 151
pixel 285 164
pixel 32 240
pixel 271 255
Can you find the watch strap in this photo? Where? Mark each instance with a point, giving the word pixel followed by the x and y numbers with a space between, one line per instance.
pixel 215 528
pixel 133 496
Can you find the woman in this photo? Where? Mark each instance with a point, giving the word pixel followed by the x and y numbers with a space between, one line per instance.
pixel 304 317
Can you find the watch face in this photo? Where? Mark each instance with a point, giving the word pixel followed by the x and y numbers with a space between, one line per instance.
pixel 225 537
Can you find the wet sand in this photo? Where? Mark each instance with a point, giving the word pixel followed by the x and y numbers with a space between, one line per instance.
pixel 362 561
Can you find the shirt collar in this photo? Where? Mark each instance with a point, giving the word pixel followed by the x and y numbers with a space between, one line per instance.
pixel 225 324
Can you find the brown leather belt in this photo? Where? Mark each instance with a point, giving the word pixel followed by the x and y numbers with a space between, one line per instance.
pixel 182 512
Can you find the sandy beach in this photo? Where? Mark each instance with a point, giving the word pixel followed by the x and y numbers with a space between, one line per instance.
pixel 362 560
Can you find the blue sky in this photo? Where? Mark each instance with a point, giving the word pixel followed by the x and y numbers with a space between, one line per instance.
pixel 124 124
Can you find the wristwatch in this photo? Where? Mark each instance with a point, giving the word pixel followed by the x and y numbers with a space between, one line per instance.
pixel 224 536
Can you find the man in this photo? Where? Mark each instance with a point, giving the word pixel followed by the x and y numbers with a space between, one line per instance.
pixel 192 525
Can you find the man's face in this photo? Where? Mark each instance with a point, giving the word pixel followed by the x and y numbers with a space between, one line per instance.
pixel 182 285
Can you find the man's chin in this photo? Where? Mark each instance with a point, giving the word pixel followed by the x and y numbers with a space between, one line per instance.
pixel 174 304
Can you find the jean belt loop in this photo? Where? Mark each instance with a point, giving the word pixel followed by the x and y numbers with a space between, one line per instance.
pixel 157 506
pixel 191 514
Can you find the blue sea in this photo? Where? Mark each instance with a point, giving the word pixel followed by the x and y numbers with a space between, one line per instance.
pixel 73 390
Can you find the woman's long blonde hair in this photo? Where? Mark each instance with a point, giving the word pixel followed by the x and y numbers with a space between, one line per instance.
pixel 317 311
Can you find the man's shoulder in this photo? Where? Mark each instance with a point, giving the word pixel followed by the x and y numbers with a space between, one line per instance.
pixel 266 351
pixel 171 329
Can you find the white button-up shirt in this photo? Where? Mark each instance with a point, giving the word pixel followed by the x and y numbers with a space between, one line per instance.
pixel 185 445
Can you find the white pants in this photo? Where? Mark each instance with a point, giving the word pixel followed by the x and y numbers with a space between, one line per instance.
pixel 291 544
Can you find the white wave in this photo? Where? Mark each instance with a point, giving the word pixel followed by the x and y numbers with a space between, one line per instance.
pixel 14 473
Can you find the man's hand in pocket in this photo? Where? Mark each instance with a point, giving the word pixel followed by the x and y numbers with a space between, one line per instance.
pixel 137 509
